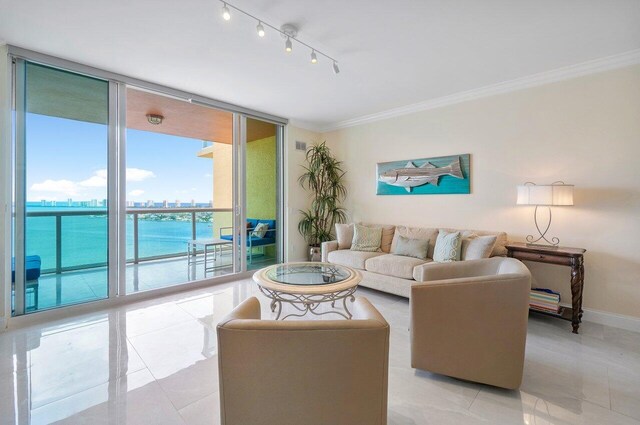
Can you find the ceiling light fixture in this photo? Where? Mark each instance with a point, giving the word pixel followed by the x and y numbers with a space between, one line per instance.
pixel 226 15
pixel 155 119
pixel 287 31
pixel 260 29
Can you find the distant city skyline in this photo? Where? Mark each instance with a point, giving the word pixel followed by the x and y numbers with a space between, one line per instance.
pixel 68 159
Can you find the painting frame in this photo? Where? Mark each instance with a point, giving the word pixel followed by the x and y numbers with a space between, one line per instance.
pixel 441 175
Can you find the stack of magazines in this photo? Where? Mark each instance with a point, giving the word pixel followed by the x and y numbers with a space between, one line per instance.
pixel 544 300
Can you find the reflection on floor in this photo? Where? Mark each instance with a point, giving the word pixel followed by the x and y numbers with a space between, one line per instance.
pixel 80 286
pixel 155 363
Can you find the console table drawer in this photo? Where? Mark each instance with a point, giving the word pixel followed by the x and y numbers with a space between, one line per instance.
pixel 543 258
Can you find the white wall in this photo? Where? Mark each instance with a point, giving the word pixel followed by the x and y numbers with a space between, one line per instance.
pixel 5 194
pixel 584 131
pixel 297 198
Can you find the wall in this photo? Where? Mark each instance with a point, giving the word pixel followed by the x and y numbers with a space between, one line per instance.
pixel 584 131
pixel 5 194
pixel 296 198
pixel 261 178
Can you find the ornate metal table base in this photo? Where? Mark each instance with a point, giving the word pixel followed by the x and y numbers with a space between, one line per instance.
pixel 309 303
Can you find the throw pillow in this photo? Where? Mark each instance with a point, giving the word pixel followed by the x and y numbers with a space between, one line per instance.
pixel 344 235
pixel 260 231
pixel 475 247
pixel 366 238
pixel 387 235
pixel 447 247
pixel 407 247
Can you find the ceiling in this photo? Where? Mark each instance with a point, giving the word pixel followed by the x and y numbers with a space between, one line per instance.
pixel 391 53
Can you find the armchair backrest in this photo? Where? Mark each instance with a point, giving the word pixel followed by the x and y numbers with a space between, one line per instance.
pixel 303 372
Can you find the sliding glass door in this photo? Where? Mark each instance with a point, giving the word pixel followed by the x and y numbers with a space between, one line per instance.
pixel 179 191
pixel 119 188
pixel 61 197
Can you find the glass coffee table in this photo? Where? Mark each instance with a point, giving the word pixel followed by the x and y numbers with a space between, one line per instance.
pixel 307 285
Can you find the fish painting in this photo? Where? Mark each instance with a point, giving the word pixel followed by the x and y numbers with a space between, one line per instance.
pixel 425 178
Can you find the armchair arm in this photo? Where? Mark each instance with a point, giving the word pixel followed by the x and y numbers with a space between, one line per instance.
pixel 327 247
pixel 455 270
pixel 249 309
pixel 364 310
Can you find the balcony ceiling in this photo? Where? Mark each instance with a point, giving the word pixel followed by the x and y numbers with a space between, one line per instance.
pixel 391 53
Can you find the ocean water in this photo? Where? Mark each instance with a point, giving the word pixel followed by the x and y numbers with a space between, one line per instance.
pixel 84 238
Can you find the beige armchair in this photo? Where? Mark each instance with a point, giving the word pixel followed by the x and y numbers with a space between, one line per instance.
pixel 469 320
pixel 303 372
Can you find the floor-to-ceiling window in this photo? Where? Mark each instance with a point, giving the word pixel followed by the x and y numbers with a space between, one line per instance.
pixel 121 188
pixel 61 198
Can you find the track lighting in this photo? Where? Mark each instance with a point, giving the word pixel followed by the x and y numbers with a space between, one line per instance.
pixel 287 31
pixel 226 15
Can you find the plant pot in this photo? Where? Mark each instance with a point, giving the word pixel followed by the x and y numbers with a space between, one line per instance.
pixel 315 253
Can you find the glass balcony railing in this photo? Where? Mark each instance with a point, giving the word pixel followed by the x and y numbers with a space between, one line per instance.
pixel 68 240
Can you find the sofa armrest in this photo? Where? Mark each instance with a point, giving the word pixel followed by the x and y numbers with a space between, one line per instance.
pixel 327 247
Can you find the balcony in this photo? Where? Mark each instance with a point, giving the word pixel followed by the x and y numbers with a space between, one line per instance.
pixel 73 249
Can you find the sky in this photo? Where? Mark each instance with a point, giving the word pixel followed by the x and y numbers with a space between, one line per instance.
pixel 68 159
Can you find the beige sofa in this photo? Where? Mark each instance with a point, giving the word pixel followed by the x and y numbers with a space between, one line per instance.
pixel 303 372
pixel 393 273
pixel 470 320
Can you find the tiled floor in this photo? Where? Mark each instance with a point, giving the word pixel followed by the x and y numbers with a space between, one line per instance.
pixel 75 287
pixel 155 363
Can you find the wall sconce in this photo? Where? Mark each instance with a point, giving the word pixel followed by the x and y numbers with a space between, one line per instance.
pixel 155 119
pixel 544 195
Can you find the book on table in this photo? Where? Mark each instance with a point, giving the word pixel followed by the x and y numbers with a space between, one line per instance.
pixel 545 300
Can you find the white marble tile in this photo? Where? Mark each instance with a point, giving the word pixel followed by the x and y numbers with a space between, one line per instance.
pixel 205 411
pixel 152 318
pixel 519 407
pixel 133 399
pixel 625 391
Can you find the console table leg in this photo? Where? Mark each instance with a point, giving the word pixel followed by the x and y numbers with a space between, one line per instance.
pixel 576 297
pixel 581 289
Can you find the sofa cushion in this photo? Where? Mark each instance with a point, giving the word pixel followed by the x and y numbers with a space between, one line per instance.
pixel 394 265
pixel 344 235
pixel 355 259
pixel 417 248
pixel 366 238
pixel 447 247
pixel 475 247
pixel 388 232
pixel 416 233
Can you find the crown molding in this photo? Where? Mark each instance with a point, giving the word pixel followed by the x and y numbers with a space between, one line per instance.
pixel 573 71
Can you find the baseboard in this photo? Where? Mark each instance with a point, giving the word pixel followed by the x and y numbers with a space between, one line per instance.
pixel 615 320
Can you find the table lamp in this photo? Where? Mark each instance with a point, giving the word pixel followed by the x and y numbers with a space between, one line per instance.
pixel 544 195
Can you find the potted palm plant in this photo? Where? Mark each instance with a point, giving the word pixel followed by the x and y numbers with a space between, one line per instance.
pixel 323 177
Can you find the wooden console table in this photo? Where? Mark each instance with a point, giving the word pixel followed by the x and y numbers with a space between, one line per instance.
pixel 572 257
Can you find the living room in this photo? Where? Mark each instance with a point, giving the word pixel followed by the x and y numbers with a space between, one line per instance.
pixel 385 212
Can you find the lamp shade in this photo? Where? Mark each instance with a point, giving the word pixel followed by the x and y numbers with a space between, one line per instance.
pixel 545 194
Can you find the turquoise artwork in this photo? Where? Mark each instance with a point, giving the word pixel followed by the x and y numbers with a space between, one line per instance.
pixel 426 176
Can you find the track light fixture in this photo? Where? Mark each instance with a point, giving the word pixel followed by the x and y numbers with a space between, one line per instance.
pixel 260 29
pixel 226 15
pixel 287 31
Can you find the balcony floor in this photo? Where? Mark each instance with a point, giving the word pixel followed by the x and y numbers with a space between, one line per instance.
pixel 55 290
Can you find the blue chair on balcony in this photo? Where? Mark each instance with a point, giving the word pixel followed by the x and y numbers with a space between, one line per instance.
pixel 254 241
pixel 32 265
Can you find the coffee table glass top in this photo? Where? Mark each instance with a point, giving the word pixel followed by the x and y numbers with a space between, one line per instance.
pixel 308 274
